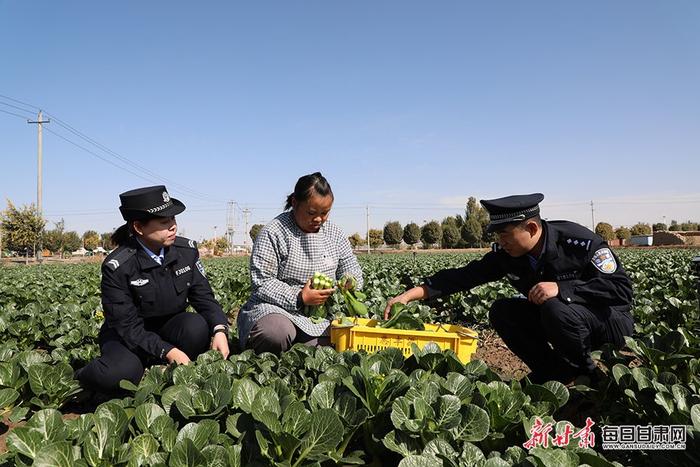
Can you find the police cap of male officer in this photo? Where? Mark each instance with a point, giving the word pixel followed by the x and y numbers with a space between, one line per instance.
pixel 575 294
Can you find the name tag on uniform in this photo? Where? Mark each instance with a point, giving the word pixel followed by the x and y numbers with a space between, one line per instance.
pixel 139 282
pixel 183 270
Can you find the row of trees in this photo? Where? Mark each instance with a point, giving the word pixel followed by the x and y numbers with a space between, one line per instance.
pixel 453 232
pixel 24 230
pixel 60 240
pixel 607 231
pixel 467 231
pixel 687 226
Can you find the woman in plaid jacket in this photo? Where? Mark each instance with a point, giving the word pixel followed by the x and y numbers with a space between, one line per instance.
pixel 286 253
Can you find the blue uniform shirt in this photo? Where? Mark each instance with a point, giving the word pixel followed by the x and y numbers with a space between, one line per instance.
pixel 532 259
pixel 157 258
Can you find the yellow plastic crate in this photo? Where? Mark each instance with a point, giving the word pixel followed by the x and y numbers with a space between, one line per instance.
pixel 365 335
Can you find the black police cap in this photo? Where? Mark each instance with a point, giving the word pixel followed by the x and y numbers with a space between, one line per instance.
pixel 147 202
pixel 515 208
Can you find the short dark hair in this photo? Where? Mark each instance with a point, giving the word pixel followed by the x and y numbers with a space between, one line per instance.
pixel 307 186
pixel 536 219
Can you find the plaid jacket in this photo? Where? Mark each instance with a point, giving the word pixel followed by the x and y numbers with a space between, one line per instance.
pixel 284 257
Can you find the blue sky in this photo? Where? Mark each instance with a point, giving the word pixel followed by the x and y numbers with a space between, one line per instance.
pixel 409 107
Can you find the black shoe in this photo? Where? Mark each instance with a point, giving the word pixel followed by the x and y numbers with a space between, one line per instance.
pixel 568 377
pixel 87 401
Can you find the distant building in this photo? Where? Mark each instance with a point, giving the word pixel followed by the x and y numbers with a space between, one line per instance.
pixel 641 240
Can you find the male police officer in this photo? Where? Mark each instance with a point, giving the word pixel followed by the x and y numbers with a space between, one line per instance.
pixel 576 294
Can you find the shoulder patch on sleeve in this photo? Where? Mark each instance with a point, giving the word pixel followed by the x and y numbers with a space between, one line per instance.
pixel 604 261
pixel 582 243
pixel 185 243
pixel 119 257
pixel 200 267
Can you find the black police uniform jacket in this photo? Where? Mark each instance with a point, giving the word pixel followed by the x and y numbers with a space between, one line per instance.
pixel 135 287
pixel 579 261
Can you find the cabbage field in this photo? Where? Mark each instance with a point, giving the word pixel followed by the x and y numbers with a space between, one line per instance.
pixel 318 407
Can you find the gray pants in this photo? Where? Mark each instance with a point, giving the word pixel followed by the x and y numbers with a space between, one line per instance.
pixel 276 333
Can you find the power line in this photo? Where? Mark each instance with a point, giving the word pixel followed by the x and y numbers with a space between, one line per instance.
pixel 177 187
pixel 100 212
pixel 686 201
pixel 86 214
pixel 126 169
pixel 420 206
pixel 23 117
pixel 15 107
pixel 34 107
pixel 136 174
pixel 182 188
pixel 121 167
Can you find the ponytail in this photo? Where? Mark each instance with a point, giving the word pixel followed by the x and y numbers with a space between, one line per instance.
pixel 288 204
pixel 122 235
pixel 307 186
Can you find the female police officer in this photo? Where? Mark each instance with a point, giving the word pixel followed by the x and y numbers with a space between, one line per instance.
pixel 147 283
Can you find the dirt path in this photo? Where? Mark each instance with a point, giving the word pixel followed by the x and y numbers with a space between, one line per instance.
pixel 494 352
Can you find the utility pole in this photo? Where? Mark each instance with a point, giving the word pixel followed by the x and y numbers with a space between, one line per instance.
pixel 592 218
pixel 230 224
pixel 367 211
pixel 246 212
pixel 39 122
